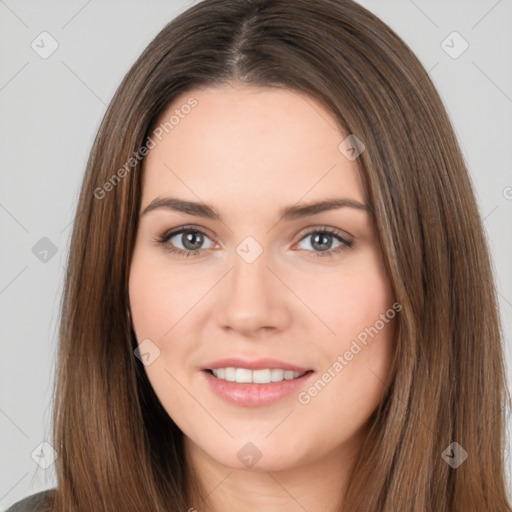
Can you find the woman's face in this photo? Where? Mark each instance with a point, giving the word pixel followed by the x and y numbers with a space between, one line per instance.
pixel 257 295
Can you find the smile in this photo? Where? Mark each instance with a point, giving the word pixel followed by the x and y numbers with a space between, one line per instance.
pixel 255 388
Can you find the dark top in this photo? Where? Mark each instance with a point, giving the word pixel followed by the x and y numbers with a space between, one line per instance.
pixel 37 502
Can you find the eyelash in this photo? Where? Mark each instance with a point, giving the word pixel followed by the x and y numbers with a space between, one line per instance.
pixel 163 240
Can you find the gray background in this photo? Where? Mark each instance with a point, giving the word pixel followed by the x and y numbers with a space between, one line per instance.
pixel 51 108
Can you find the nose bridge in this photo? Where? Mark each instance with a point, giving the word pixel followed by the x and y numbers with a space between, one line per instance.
pixel 252 298
pixel 250 273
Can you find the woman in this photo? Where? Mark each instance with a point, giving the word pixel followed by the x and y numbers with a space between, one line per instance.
pixel 279 293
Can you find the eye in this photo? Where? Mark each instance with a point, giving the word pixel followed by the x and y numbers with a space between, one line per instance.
pixel 322 239
pixel 191 240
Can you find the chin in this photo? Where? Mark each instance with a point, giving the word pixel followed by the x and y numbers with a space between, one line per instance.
pixel 257 455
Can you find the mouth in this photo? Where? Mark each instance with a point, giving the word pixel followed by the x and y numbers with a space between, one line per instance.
pixel 254 383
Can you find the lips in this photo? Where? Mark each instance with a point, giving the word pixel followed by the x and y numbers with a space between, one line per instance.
pixel 255 394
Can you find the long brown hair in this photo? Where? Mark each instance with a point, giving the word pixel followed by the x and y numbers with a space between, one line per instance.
pixel 118 448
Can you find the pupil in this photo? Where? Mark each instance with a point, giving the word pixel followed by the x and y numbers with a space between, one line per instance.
pixel 324 240
pixel 189 237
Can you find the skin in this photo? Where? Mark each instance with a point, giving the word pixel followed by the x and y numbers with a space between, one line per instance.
pixel 250 152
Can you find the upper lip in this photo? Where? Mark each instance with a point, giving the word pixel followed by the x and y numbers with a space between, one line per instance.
pixel 257 364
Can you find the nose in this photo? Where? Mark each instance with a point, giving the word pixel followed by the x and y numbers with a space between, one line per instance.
pixel 253 300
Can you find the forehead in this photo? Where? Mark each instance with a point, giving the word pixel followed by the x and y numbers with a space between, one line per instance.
pixel 251 146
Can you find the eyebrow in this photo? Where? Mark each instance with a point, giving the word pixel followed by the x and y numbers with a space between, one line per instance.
pixel 288 213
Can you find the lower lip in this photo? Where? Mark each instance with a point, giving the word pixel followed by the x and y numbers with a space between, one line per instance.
pixel 254 395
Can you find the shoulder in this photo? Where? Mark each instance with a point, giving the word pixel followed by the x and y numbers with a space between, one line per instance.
pixel 38 502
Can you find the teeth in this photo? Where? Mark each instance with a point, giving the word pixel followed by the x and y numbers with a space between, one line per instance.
pixel 244 375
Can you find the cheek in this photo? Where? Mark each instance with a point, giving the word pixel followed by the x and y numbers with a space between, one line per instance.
pixel 358 308
pixel 351 384
pixel 162 302
pixel 155 309
pixel 144 295
pixel 351 300
pixel 160 295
